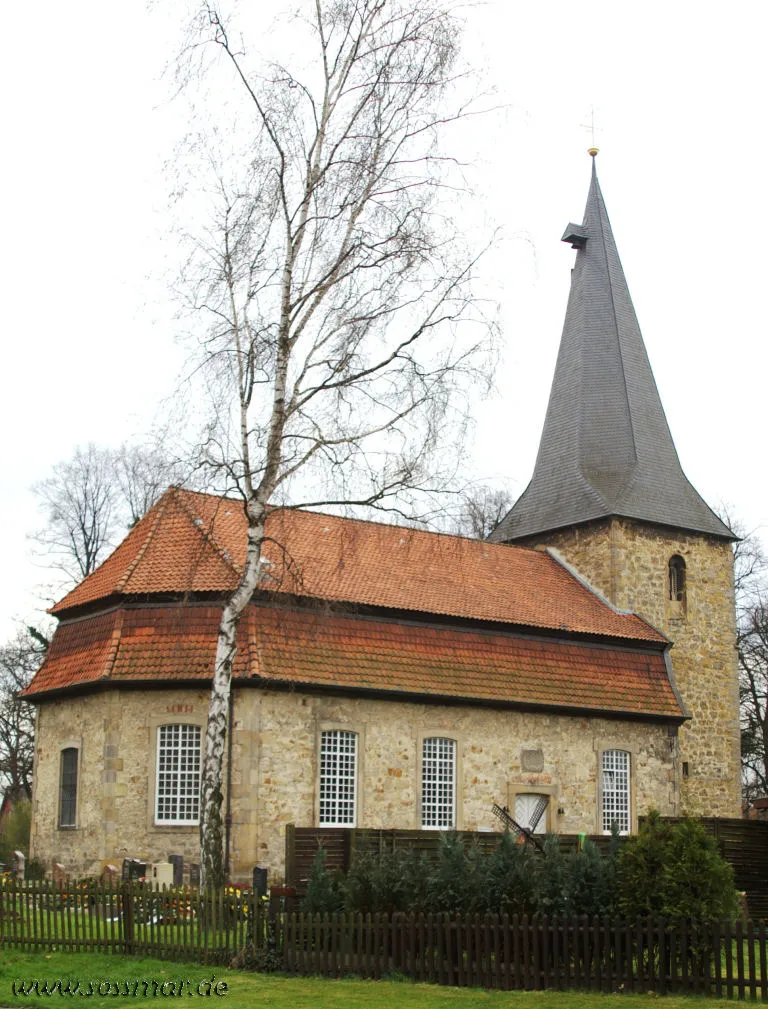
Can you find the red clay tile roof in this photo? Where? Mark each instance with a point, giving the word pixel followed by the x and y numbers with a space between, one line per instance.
pixel 193 542
pixel 307 647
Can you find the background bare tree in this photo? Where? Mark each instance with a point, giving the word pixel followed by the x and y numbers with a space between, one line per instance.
pixel 19 660
pixel 91 499
pixel 480 510
pixel 753 682
pixel 342 331
pixel 750 570
pixel 79 501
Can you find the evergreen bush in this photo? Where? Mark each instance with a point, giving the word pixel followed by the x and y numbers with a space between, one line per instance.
pixel 697 882
pixel 323 894
pixel 587 887
pixel 386 882
pixel 675 872
pixel 511 878
pixel 458 882
pixel 641 865
pixel 551 879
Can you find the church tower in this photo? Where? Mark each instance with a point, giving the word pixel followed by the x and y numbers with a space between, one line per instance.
pixel 609 494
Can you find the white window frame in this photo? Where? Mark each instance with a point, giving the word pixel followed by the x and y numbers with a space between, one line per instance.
pixel 338 766
pixel 176 774
pixel 438 783
pixel 616 790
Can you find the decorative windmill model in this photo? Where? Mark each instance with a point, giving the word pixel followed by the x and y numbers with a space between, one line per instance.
pixel 526 833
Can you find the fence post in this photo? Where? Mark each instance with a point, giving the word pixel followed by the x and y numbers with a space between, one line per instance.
pixel 290 854
pixel 126 917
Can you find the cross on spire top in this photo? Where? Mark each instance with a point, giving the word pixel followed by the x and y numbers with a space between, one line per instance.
pixel 593 150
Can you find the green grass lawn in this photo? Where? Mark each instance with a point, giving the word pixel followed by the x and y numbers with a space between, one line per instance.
pixel 247 990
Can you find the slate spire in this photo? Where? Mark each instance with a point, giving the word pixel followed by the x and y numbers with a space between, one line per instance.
pixel 606 448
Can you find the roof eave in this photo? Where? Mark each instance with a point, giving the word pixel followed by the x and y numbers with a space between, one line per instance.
pixel 414 697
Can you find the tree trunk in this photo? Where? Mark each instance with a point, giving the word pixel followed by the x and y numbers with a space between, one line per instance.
pixel 212 870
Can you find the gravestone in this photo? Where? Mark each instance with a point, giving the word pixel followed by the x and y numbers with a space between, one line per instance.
pixel 110 875
pixel 260 881
pixel 133 868
pixel 18 863
pixel 194 874
pixel 177 861
pixel 162 874
pixel 59 873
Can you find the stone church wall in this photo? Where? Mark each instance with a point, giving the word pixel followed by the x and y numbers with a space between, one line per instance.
pixel 629 562
pixel 275 769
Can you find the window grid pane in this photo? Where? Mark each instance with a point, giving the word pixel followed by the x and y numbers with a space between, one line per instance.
pixel 338 774
pixel 438 783
pixel 178 774
pixel 616 790
pixel 68 788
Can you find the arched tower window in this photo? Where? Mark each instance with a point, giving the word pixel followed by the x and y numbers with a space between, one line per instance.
pixel 677 579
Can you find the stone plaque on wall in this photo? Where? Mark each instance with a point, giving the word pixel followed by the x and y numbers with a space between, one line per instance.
pixel 532 760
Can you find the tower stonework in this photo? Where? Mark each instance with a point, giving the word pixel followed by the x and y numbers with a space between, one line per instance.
pixel 628 561
pixel 609 495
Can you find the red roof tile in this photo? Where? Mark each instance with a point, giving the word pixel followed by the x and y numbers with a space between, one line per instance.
pixel 193 542
pixel 307 647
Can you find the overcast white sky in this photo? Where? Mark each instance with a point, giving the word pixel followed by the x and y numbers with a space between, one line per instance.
pixel 679 90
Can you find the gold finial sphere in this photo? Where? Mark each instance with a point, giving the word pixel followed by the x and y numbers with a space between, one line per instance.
pixel 593 152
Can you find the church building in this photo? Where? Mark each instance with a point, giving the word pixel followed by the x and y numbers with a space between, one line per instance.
pixel 396 678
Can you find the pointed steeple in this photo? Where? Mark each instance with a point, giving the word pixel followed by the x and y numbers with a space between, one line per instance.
pixel 606 448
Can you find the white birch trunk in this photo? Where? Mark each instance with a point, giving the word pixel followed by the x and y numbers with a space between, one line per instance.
pixel 212 869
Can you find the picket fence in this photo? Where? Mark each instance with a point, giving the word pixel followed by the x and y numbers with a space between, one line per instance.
pixel 493 951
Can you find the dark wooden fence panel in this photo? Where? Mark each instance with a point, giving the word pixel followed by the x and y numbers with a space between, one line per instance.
pixel 743 843
pixel 492 951
pixel 720 959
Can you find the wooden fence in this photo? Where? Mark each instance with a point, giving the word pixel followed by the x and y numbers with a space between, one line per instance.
pixel 743 843
pixel 133 918
pixel 494 951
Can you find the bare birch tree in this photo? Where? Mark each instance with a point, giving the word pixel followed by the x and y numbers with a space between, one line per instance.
pixel 342 332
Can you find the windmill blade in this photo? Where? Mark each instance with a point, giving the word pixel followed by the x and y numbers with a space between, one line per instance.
pixel 538 812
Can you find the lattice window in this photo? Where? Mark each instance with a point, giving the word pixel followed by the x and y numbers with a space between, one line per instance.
pixel 438 783
pixel 616 791
pixel 68 788
pixel 178 774
pixel 338 778
pixel 526 805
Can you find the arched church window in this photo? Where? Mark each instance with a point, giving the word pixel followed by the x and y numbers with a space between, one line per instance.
pixel 677 579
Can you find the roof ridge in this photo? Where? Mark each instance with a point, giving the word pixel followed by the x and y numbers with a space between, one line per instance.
pixel 555 554
pixel 603 211
pixel 207 534
pixel 161 505
pixel 300 509
pixel 114 646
